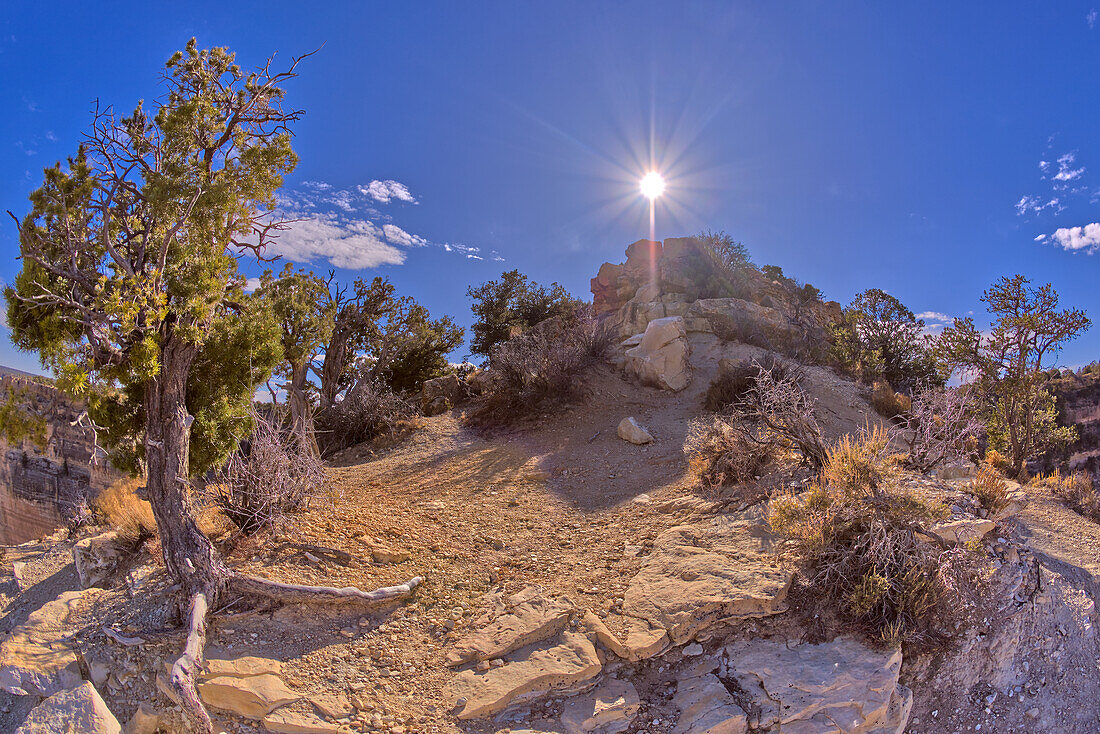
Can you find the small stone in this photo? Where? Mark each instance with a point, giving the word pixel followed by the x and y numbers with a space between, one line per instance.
pixel 693 650
pixel 630 430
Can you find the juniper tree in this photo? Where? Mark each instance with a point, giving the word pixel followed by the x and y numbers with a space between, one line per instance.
pixel 1007 364
pixel 129 292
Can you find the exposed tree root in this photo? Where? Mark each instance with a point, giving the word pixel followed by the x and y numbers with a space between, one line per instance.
pixel 301 594
pixel 182 678
pixel 181 682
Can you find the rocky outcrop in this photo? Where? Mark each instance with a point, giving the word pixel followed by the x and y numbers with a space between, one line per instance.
pixel 559 668
pixel 661 356
pixel 96 558
pixel 839 686
pixel 630 430
pixel 78 709
pixel 439 395
pixel 529 621
pixel 723 568
pixel 37 658
pixel 706 706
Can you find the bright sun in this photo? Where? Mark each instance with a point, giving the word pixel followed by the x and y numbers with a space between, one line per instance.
pixel 652 185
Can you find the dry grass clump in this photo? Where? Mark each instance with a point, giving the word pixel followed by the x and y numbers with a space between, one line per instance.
pixel 721 456
pixel 888 403
pixel 271 475
pixel 990 489
pixel 1077 490
pixel 538 369
pixel 863 543
pixel 123 511
pixel 998 461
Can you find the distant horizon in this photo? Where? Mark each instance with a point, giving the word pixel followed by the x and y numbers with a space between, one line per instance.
pixel 925 151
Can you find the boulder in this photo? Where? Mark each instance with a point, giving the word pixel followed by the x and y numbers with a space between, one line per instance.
pixel 706 707
pixel 76 710
pixel 37 659
pixel 528 621
pixel 630 430
pixel 441 394
pixel 144 721
pixel 962 530
pixel 842 685
pixel 609 708
pixel 661 358
pixel 288 722
pixel 722 568
pixel 560 669
pixel 96 558
pixel 253 697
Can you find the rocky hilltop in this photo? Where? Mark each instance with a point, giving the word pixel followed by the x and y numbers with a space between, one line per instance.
pixel 578 576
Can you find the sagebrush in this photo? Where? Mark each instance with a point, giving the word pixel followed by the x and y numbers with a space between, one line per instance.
pixel 865 548
pixel 1077 490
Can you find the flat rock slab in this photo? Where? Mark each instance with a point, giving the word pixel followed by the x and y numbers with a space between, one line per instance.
pixel 528 621
pixel 557 669
pixel 80 709
pixel 609 708
pixel 963 530
pixel 722 568
pixel 839 686
pixel 242 667
pixel 37 658
pixel 253 697
pixel 287 722
pixel 706 707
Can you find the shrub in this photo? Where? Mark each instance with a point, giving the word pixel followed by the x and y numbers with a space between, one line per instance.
pixel 539 368
pixel 998 461
pixel 735 379
pixel 888 403
pixel 1077 490
pixel 513 304
pixel 271 475
pixel 990 489
pixel 721 456
pixel 942 426
pixel 369 410
pixel 776 412
pixel 865 551
pixel 119 507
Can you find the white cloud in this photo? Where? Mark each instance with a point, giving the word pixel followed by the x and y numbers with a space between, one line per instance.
pixel 1091 18
pixel 1044 166
pixel 1075 239
pixel 385 191
pixel 354 244
pixel 934 316
pixel 398 236
pixel 1034 204
pixel 1065 170
pixel 251 284
pixel 1040 238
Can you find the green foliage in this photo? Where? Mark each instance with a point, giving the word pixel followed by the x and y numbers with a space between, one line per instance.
pixel 412 347
pixel 723 271
pixel 1008 365
pixel 20 421
pixel 511 305
pixel 878 337
pixel 129 281
pixel 305 313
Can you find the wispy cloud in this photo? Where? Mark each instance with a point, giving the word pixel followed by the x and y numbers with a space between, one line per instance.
pixel 1091 18
pixel 1033 204
pixel 386 191
pixel 935 321
pixel 340 227
pixel 1066 171
pixel 1075 239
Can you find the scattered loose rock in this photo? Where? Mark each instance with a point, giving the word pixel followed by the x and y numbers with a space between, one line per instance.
pixel 630 430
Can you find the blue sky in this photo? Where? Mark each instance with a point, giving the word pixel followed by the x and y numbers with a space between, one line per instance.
pixel 854 144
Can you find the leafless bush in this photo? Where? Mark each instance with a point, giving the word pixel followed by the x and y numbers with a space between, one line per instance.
pixel 942 427
pixel 539 368
pixel 272 474
pixel 735 379
pixel 865 549
pixel 368 410
pixel 777 413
